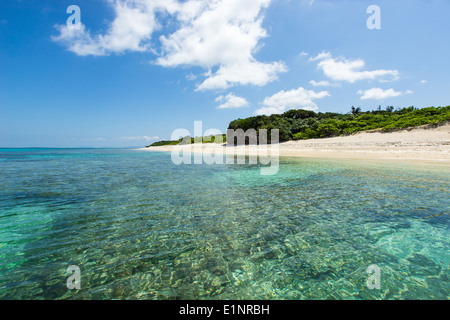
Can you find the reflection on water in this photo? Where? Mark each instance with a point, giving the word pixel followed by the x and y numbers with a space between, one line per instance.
pixel 140 227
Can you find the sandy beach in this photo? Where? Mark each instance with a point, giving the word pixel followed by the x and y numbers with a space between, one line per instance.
pixel 419 144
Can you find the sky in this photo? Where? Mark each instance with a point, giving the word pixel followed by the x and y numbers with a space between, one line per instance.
pixel 125 73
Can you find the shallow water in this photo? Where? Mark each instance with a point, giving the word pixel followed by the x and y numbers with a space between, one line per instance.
pixel 140 227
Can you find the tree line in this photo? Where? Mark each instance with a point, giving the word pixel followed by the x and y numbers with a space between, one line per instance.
pixel 304 124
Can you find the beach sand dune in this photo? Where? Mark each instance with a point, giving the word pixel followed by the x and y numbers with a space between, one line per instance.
pixel 418 144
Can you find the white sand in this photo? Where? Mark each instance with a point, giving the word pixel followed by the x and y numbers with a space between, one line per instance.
pixel 420 144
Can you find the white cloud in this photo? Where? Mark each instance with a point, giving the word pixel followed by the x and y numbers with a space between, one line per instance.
pixel 380 94
pixel 298 98
pixel 248 73
pixel 324 83
pixel 270 110
pixel 320 83
pixel 424 81
pixel 341 69
pixel 131 29
pixel 321 56
pixel 78 41
pixel 211 31
pixel 220 35
pixel 191 77
pixel 231 101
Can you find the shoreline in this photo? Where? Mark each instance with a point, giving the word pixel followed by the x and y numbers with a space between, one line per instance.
pixel 422 144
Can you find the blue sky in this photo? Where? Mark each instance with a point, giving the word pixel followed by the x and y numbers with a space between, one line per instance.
pixel 136 70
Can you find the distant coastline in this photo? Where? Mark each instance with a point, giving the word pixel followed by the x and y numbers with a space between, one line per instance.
pixel 303 124
pixel 426 143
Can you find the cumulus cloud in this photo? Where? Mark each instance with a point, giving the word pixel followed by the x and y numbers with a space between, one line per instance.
pixel 381 94
pixel 247 73
pixel 78 41
pixel 231 101
pixel 298 98
pixel 341 69
pixel 131 30
pixel 219 35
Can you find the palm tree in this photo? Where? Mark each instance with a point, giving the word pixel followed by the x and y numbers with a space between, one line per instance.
pixel 356 111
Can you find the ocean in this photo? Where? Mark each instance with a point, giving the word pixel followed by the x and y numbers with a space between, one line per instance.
pixel 140 227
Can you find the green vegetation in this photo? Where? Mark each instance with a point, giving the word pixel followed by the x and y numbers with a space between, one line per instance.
pixel 304 124
pixel 165 143
pixel 189 140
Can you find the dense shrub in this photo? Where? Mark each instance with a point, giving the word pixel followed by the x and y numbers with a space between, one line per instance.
pixel 305 124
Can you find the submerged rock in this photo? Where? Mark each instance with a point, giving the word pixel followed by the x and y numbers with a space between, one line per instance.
pixel 422 265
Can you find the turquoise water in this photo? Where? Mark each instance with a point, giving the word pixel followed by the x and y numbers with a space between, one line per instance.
pixel 140 227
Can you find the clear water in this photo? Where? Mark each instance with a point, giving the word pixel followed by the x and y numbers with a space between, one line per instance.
pixel 140 227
